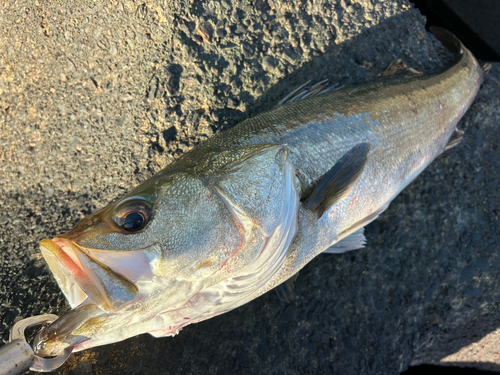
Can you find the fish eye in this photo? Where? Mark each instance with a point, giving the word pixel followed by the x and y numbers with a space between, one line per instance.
pixel 132 215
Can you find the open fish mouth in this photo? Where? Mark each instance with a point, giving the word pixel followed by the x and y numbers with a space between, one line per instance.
pixel 82 276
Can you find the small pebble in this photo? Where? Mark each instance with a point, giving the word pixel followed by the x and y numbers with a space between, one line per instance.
pixel 206 30
pixel 233 102
pixel 220 33
pixel 240 29
pixel 269 63
pixel 247 51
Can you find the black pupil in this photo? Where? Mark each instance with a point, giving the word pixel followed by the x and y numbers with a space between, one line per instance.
pixel 133 220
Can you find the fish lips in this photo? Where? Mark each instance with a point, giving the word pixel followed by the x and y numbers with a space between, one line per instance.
pixel 80 275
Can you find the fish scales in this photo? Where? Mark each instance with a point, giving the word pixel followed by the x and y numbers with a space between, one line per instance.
pixel 408 121
pixel 247 209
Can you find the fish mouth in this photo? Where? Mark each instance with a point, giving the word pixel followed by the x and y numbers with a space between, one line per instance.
pixel 81 276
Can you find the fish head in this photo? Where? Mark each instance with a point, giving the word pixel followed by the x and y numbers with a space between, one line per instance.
pixel 154 251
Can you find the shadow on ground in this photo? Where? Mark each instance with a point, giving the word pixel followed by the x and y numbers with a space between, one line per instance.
pixel 430 266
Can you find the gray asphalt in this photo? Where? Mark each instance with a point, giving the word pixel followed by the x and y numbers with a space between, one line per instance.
pixel 95 98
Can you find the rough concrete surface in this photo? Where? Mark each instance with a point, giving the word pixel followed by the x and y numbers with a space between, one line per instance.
pixel 96 97
pixel 486 351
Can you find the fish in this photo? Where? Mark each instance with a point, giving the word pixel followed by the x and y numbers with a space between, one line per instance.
pixel 243 212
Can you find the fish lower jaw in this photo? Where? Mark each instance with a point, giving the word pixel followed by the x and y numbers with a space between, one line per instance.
pixel 82 277
pixel 64 265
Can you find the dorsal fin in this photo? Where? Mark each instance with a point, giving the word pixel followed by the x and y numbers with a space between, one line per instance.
pixel 339 180
pixel 398 68
pixel 305 91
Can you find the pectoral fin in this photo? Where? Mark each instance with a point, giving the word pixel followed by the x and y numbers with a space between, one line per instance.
pixel 285 290
pixel 339 180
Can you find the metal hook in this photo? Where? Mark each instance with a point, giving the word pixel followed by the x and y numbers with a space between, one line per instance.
pixel 40 364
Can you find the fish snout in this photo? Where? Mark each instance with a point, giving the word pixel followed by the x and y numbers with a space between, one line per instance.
pixel 81 276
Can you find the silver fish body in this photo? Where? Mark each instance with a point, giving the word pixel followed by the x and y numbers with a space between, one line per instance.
pixel 239 214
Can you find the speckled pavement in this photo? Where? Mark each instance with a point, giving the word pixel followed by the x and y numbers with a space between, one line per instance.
pixel 96 97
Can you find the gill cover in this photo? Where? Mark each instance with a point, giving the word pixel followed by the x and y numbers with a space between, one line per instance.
pixel 223 214
pixel 220 227
pixel 226 219
pixel 260 192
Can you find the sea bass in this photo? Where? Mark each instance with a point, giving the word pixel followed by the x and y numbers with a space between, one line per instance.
pixel 244 211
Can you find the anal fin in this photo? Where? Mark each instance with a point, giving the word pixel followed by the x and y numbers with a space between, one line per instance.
pixel 285 290
pixel 339 180
pixel 455 139
pixel 363 222
pixel 354 241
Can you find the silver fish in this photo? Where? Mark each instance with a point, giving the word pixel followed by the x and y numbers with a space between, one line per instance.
pixel 243 212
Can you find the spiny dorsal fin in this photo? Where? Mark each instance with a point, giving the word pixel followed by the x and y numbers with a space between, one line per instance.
pixel 354 241
pixel 339 180
pixel 455 139
pixel 305 91
pixel 398 68
pixel 285 290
